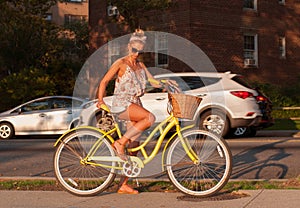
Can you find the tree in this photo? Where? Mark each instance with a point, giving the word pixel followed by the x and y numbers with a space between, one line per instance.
pixel 26 85
pixel 37 57
pixel 130 9
pixel 33 7
pixel 25 37
pixel 75 39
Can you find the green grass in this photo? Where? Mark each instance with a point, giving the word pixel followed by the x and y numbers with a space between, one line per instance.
pixel 158 186
pixel 285 124
pixel 28 185
pixel 253 185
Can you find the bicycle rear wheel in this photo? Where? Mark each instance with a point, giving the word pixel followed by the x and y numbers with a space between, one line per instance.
pixel 209 173
pixel 75 172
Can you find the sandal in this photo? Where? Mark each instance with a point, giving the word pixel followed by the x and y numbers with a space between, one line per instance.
pixel 123 156
pixel 125 189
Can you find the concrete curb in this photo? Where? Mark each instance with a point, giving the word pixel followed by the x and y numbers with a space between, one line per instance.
pixel 278 133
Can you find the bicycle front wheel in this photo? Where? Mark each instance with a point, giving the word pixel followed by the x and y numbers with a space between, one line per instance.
pixel 73 169
pixel 210 169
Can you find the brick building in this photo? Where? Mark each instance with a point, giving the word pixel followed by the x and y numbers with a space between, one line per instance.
pixel 66 12
pixel 257 38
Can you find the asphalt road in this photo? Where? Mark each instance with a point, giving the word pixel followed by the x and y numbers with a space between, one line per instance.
pixel 254 158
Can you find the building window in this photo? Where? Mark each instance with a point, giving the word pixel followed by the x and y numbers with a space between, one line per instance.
pixel 281 2
pixel 72 18
pixel 250 51
pixel 113 51
pixel 76 1
pixel 282 47
pixel 161 49
pixel 250 4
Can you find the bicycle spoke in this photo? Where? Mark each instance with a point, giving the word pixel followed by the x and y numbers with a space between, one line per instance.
pixel 205 176
pixel 75 172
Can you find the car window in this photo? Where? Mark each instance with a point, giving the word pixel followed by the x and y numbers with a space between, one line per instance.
pixel 182 82
pixel 242 81
pixel 150 89
pixel 194 82
pixel 64 103
pixel 188 83
pixel 61 103
pixel 76 103
pixel 210 80
pixel 36 106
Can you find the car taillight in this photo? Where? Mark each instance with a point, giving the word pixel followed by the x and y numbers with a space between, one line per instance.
pixel 250 114
pixel 242 94
pixel 261 98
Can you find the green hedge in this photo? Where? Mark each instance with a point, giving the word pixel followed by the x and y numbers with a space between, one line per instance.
pixel 285 114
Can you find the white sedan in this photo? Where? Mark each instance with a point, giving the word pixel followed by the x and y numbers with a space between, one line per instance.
pixel 46 115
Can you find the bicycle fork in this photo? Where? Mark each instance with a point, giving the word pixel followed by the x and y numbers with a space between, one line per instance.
pixel 187 146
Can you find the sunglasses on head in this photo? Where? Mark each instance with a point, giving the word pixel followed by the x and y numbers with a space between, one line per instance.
pixel 134 50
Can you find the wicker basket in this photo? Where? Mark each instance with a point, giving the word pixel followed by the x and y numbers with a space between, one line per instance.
pixel 184 106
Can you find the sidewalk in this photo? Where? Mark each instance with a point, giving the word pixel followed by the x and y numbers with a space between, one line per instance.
pixel 60 199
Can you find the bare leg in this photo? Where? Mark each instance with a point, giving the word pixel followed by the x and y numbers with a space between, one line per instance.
pixel 141 120
pixel 124 187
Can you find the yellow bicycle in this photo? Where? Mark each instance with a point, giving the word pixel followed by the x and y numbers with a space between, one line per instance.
pixel 197 162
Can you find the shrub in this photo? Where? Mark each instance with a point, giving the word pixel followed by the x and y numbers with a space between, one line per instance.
pixel 20 87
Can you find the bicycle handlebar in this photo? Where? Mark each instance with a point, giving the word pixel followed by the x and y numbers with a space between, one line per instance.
pixel 104 107
pixel 170 85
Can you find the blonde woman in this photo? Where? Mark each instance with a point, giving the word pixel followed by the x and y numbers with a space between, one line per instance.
pixel 130 85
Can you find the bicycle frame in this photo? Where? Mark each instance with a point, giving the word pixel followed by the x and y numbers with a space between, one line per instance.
pixel 170 122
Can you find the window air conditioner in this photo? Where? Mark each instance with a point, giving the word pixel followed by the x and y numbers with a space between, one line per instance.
pixel 112 11
pixel 249 62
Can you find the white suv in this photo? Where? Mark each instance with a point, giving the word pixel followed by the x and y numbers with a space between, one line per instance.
pixel 227 102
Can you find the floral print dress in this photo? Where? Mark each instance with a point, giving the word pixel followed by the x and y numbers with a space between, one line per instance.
pixel 129 88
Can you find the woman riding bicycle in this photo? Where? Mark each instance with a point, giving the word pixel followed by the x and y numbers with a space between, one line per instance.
pixel 130 84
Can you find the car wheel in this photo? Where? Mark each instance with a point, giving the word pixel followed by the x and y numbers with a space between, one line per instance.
pixel 6 131
pixel 214 121
pixel 244 132
pixel 239 132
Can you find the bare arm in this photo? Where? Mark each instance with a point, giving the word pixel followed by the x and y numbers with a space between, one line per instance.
pixel 150 77
pixel 113 70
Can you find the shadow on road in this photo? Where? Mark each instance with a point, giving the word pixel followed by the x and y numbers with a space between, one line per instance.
pixel 261 162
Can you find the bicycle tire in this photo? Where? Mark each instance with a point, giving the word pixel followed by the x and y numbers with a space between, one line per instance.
pixel 77 177
pixel 209 174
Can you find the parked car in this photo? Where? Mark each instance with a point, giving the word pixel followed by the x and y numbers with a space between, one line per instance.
pixel 46 115
pixel 265 106
pixel 226 102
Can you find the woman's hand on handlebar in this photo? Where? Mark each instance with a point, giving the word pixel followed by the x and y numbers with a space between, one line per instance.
pixel 102 105
pixel 170 85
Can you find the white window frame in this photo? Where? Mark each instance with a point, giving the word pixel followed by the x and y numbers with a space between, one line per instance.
pixel 251 55
pixel 161 45
pixel 282 47
pixel 254 6
pixel 113 51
